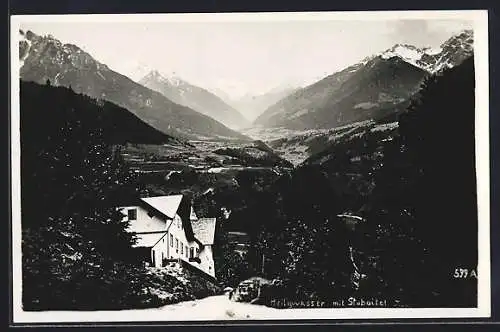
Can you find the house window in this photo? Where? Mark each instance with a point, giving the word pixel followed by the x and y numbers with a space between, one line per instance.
pixel 153 258
pixel 191 253
pixel 132 214
pixel 186 251
pixel 182 249
pixel 171 240
pixel 176 245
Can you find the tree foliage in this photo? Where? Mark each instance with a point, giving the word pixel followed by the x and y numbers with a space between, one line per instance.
pixel 76 251
pixel 417 193
pixel 299 238
pixel 423 220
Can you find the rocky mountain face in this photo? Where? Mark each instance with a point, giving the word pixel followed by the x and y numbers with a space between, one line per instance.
pixel 197 98
pixel 377 87
pixel 45 58
pixel 451 53
pixel 368 90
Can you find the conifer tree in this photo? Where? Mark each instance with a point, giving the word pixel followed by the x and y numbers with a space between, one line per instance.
pixel 423 223
pixel 74 239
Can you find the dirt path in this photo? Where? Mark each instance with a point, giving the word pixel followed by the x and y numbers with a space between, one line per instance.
pixel 210 308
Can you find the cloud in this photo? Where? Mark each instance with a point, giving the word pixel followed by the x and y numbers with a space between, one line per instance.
pixel 421 32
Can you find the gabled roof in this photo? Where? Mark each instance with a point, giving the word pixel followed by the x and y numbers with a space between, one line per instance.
pixel 148 240
pixel 199 230
pixel 204 230
pixel 167 205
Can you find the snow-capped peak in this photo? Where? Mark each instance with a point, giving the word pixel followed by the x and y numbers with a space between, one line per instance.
pixel 172 79
pixel 449 54
pixel 408 53
pixel 55 52
pixel 432 50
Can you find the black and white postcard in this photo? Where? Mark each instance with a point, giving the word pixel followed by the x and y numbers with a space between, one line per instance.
pixel 250 166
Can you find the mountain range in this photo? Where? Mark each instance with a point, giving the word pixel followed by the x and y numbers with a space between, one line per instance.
pixel 376 87
pixel 194 97
pixel 45 58
pixel 451 53
pixel 68 110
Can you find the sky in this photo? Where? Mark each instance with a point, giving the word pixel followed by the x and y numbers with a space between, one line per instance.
pixel 244 57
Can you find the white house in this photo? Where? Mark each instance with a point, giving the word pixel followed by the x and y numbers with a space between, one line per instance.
pixel 167 229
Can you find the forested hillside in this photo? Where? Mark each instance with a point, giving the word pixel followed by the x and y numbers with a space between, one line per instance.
pixel 371 90
pixel 118 125
pixel 427 191
pixel 76 253
pixel 415 192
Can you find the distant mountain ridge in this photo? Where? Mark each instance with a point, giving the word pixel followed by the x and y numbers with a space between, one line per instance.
pixel 376 87
pixel 195 97
pixel 46 58
pixel 253 105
